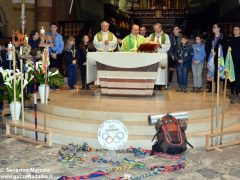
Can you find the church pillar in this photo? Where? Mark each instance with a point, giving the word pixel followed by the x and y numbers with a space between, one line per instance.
pixel 44 13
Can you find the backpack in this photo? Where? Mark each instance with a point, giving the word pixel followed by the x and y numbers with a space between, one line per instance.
pixel 171 137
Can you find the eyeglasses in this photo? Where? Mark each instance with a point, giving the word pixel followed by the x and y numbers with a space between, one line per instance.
pixel 214 27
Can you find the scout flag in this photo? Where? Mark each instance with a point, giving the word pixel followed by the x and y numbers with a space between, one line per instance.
pixel 221 67
pixel 210 66
pixel 229 67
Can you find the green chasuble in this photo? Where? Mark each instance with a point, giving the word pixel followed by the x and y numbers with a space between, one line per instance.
pixel 131 43
pixel 163 37
pixel 100 36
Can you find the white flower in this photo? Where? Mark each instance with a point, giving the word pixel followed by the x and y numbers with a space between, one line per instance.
pixel 52 74
pixel 9 79
pixel 25 82
pixel 29 69
pixel 8 84
pixel 30 78
pixel 1 70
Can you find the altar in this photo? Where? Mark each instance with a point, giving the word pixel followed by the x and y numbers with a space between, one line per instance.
pixel 121 73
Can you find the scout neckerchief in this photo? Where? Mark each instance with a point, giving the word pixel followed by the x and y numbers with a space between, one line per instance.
pixel 215 40
pixel 183 49
pixel 100 36
pixel 73 51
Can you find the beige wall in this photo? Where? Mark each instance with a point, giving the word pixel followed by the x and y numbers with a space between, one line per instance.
pixel 13 14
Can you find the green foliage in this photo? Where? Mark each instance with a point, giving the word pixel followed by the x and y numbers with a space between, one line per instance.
pixel 56 81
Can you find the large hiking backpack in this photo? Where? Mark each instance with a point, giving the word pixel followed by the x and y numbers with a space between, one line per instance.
pixel 171 138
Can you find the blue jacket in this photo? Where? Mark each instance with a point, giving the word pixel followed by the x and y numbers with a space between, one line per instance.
pixel 184 53
pixel 58 44
pixel 199 53
pixel 175 43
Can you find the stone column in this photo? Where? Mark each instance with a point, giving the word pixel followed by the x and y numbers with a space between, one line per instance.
pixel 44 13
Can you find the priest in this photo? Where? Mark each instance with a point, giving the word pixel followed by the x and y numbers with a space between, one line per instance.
pixel 105 41
pixel 161 38
pixel 163 41
pixel 131 42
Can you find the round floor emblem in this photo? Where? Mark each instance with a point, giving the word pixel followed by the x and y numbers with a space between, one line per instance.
pixel 112 135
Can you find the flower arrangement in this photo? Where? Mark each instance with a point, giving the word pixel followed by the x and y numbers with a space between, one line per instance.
pixel 54 78
pixel 8 79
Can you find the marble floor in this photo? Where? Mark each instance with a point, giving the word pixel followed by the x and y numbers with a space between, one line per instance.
pixel 200 165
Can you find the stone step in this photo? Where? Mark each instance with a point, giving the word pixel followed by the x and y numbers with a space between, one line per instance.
pixel 134 128
pixel 123 116
pixel 64 137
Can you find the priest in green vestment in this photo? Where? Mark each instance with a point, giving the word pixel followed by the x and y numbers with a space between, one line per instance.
pixel 160 38
pixel 131 42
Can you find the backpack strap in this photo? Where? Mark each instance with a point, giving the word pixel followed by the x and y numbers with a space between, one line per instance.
pixel 188 143
pixel 155 135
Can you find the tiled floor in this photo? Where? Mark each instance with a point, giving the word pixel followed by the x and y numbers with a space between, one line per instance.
pixel 200 165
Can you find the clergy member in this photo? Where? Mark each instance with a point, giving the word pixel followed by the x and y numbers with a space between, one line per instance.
pixel 160 38
pixel 105 41
pixel 163 41
pixel 131 42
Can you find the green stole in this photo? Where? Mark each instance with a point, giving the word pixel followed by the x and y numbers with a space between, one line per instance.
pixel 100 36
pixel 163 37
pixel 129 42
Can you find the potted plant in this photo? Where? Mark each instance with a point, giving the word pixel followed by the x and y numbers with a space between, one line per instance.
pixel 54 78
pixel 8 79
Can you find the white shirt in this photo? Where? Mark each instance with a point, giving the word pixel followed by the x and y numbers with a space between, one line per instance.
pixel 101 46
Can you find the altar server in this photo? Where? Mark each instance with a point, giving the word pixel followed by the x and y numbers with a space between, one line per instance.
pixel 132 42
pixel 162 39
pixel 105 41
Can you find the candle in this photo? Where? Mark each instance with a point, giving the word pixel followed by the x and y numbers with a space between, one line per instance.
pixel 26 39
pixel 21 50
pixel 9 53
pixel 42 31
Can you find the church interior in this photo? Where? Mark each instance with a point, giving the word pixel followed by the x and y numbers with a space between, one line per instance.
pixel 120 89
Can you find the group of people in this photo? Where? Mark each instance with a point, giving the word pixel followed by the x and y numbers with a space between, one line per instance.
pixel 181 55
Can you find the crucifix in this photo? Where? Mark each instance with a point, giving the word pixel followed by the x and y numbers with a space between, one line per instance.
pixel 23 2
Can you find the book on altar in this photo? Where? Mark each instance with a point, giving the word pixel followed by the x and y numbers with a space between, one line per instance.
pixel 148 47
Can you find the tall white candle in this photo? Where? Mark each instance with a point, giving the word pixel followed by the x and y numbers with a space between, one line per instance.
pixel 21 50
pixel 10 53
pixel 26 39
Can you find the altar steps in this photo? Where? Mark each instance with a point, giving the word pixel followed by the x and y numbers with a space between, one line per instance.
pixel 197 139
pixel 79 130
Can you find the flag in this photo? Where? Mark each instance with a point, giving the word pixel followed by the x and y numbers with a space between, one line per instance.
pixel 210 66
pixel 221 66
pixel 229 67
